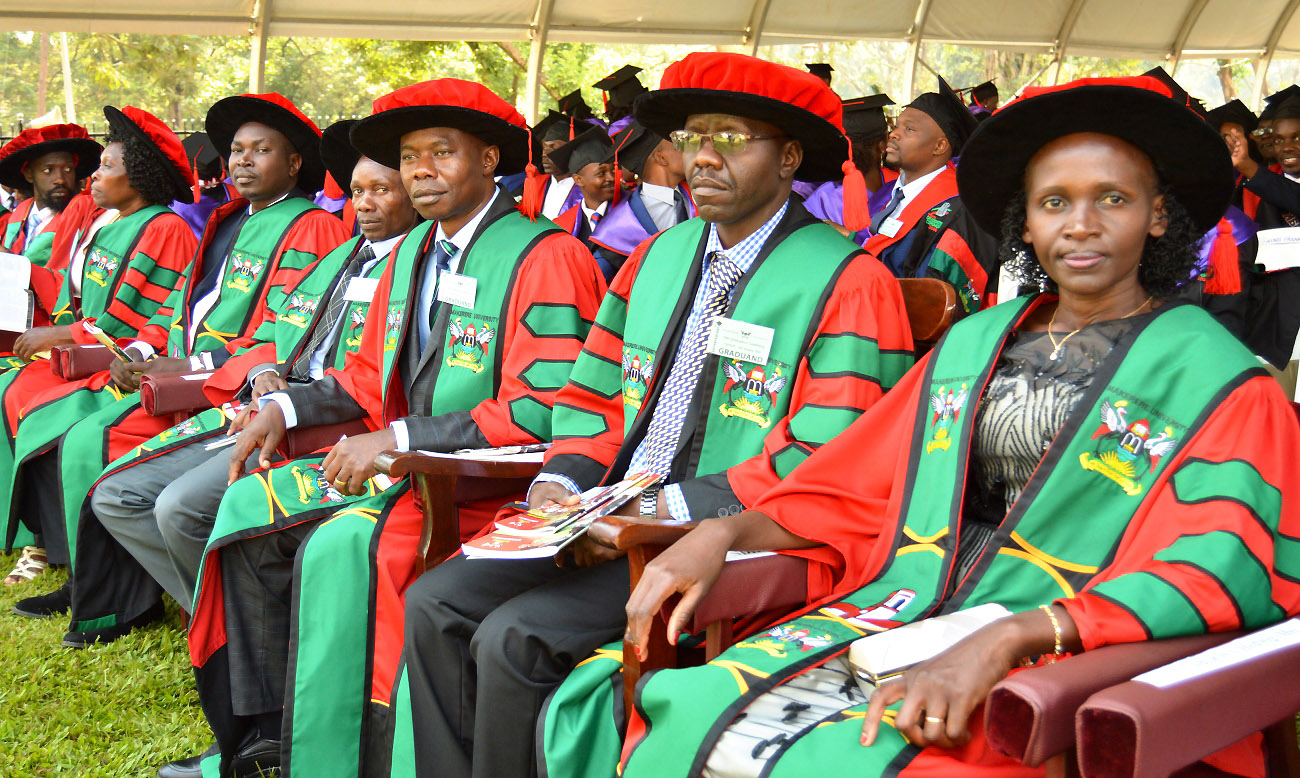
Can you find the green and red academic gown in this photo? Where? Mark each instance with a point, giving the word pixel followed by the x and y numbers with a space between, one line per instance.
pixel 1177 515
pixel 15 239
pixel 354 568
pixel 938 238
pixel 111 579
pixel 100 422
pixel 131 267
pixel 841 340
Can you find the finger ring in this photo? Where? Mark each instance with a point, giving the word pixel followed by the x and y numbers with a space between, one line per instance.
pixel 339 483
pixel 934 719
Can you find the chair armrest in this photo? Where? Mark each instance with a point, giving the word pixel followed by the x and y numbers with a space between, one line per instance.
pixel 623 532
pixel 400 464
pixel 1029 716
pixel 1155 728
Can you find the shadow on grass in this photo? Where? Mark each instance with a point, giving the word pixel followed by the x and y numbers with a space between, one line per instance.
pixel 118 710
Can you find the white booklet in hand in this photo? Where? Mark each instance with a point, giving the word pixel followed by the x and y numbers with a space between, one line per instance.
pixel 882 656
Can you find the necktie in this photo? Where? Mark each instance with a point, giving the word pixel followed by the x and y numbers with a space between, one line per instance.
pixel 595 219
pixel 442 254
pixel 666 425
pixel 680 212
pixel 879 218
pixel 327 324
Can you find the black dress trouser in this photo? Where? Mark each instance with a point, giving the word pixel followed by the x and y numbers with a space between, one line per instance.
pixel 487 641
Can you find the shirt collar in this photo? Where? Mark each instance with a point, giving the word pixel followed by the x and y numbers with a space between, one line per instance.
pixel 600 209
pixel 384 247
pixel 746 251
pixel 268 205
pixel 467 231
pixel 911 188
pixel 664 194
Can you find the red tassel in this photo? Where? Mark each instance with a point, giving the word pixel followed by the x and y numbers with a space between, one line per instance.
pixel 1224 274
pixel 857 213
pixel 534 186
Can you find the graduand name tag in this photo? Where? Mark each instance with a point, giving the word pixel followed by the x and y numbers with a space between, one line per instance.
pixel 890 227
pixel 361 290
pixel 735 339
pixel 456 289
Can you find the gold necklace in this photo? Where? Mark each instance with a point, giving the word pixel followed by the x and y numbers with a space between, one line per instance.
pixel 1056 347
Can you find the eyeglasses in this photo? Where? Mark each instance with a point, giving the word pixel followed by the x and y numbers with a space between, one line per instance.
pixel 687 141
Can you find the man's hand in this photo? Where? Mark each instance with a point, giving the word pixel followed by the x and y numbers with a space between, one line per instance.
pixel 241 420
pixel 264 432
pixel 162 365
pixel 544 492
pixel 38 339
pixel 352 460
pixel 266 382
pixel 1239 148
pixel 689 567
pixel 127 374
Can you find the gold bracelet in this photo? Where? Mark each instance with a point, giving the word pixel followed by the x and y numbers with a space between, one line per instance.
pixel 1057 648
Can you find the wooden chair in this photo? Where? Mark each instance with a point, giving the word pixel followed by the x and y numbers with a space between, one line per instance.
pixel 443 483
pixel 760 589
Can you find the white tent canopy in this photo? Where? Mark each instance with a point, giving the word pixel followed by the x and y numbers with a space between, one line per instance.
pixel 1156 29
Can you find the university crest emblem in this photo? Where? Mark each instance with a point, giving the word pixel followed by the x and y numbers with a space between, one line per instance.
pixel 934 219
pixel 188 427
pixel 356 322
pixel 638 371
pixel 300 309
pixel 243 271
pixel 312 486
pixel 468 345
pixel 947 405
pixel 100 267
pixel 776 641
pixel 750 393
pixel 1126 451
pixel 392 326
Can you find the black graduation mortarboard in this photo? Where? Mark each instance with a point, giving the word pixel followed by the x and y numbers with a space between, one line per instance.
pixel 949 112
pixel 198 147
pixel 822 70
pixel 553 126
pixel 633 145
pixel 1288 108
pixel 573 105
pixel 1235 112
pixel 622 85
pixel 1180 94
pixel 593 145
pixel 984 92
pixel 338 153
pixel 864 117
pixel 1274 101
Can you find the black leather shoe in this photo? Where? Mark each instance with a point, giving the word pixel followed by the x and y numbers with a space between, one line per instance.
pixel 259 759
pixel 45 605
pixel 84 638
pixel 187 768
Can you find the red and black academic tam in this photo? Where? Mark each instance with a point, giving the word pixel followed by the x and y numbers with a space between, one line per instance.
pixel 163 144
pixel 445 102
pixel 35 142
pixel 276 111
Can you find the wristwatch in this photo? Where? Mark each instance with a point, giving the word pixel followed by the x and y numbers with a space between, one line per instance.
pixel 650 502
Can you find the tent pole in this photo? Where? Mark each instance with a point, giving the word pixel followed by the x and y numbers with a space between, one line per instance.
pixel 70 114
pixel 537 33
pixel 754 30
pixel 1261 67
pixel 257 51
pixel 1184 32
pixel 1063 40
pixel 914 37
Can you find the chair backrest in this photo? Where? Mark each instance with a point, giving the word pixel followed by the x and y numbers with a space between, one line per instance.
pixel 931 309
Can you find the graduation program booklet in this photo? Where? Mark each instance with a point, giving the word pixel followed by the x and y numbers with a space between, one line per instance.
pixel 882 656
pixel 542 532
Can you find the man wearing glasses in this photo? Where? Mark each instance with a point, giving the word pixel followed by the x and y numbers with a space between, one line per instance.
pixel 1279 191
pixel 815 332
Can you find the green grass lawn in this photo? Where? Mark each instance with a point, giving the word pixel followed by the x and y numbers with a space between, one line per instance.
pixel 119 710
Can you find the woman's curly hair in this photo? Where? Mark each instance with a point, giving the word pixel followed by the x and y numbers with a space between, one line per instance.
pixel 1167 263
pixel 143 169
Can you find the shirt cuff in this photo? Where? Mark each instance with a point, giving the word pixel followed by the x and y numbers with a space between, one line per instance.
pixel 256 372
pixel 201 361
pixel 678 510
pixel 286 407
pixel 143 349
pixel 556 478
pixel 401 434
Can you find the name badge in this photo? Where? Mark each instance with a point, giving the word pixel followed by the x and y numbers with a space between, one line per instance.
pixel 361 290
pixel 742 341
pixel 890 227
pixel 456 289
